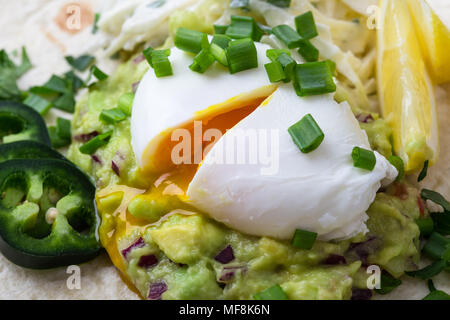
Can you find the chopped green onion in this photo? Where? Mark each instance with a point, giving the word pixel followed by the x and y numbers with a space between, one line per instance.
pixel 388 283
pixel 160 63
pixel 436 198
pixel 306 134
pixel 220 29
pixel 364 159
pixel 436 246
pixel 314 78
pixel 191 40
pixel 81 63
pixel 306 26
pixel 304 239
pixel 112 116
pixel 125 103
pixel 66 102
pixel 308 51
pixel 428 272
pixel 94 144
pixel 273 54
pixel 241 55
pixel 437 295
pixel 426 226
pixel 202 61
pixel 73 81
pixel 424 171
pixel 38 103
pixel 265 29
pixel 331 66
pixel 64 129
pixel 280 3
pixel 287 35
pixel 148 55
pixel 272 293
pixel 221 40
pixel 95 25
pixel 54 85
pixel 288 65
pixel 398 163
pixel 56 140
pixel 219 54
pixel 241 27
pixel 99 74
pixel 275 71
pixel 442 222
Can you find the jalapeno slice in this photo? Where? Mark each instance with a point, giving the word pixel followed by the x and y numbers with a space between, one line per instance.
pixel 47 214
pixel 28 150
pixel 20 122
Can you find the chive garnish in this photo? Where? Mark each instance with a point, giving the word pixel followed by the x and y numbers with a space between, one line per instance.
pixel 159 61
pixel 304 239
pixel 273 293
pixel 436 198
pixel 221 40
pixel 64 128
pixel 442 222
pixel 112 116
pixel 306 26
pixel 99 74
pixel 424 171
pixel 190 40
pixel 436 246
pixel 273 54
pixel 202 61
pixel 218 29
pixel 434 293
pixel 287 35
pixel 280 3
pixel 275 71
pixel 430 271
pixel 125 103
pixel 81 63
pixel 398 163
pixel 38 103
pixel 241 27
pixel 426 226
pixel 306 134
pixel 288 65
pixel 241 55
pixel 314 78
pixel 308 51
pixel 364 159
pixel 94 144
pixel 219 54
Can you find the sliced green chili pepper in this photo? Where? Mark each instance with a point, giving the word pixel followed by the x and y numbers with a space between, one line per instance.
pixel 20 122
pixel 28 150
pixel 47 214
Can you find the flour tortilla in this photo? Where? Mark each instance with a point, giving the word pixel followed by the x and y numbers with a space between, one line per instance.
pixel 33 24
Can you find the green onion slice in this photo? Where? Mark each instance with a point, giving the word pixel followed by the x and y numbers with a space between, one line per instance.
pixel 442 222
pixel 430 271
pixel 436 198
pixel 221 40
pixel 288 65
pixel 426 226
pixel 424 172
pixel 273 54
pixel 218 29
pixel 241 55
pixel 94 144
pixel 38 103
pixel 125 103
pixel 275 71
pixel 306 26
pixel 280 3
pixel 398 163
pixel 64 128
pixel 287 35
pixel 437 295
pixel 160 63
pixel 308 51
pixel 112 116
pixel 191 40
pixel 81 63
pixel 240 4
pixel 436 246
pixel 306 134
pixel 304 239
pixel 364 159
pixel 99 74
pixel 272 293
pixel 388 283
pixel 202 61
pixel 219 54
pixel 241 27
pixel 314 78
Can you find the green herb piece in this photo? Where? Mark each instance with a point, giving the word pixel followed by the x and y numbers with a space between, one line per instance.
pixel 94 144
pixel 81 63
pixel 38 103
pixel 364 159
pixel 306 134
pixel 306 26
pixel 304 239
pixel 272 293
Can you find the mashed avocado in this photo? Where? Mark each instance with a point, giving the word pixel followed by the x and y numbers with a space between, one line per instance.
pixel 179 253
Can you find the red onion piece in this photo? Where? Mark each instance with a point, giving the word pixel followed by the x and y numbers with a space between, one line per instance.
pixel 156 290
pixel 362 250
pixel 225 256
pixel 361 294
pixel 148 261
pixel 334 259
pixel 115 168
pixel 85 137
pixel 228 273
pixel 138 244
pixel 364 117
pixel 96 159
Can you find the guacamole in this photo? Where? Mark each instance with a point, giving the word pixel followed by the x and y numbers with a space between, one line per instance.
pixel 168 250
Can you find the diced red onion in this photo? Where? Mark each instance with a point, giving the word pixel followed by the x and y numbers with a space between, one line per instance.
pixel 156 290
pixel 226 255
pixel 364 117
pixel 148 261
pixel 96 159
pixel 139 59
pixel 228 273
pixel 361 294
pixel 115 168
pixel 421 205
pixel 362 250
pixel 134 86
pixel 334 259
pixel 85 137
pixel 138 244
